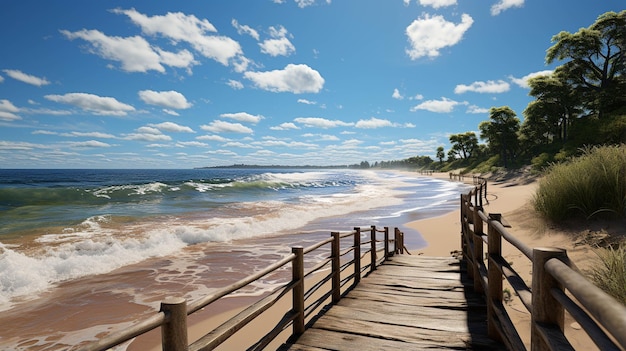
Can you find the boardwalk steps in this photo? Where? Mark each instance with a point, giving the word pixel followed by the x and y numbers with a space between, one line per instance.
pixel 408 303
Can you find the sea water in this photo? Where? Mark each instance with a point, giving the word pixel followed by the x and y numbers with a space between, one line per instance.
pixel 86 239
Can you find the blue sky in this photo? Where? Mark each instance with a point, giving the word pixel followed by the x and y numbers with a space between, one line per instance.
pixel 156 84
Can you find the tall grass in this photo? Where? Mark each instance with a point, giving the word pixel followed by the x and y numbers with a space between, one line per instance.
pixel 609 273
pixel 593 184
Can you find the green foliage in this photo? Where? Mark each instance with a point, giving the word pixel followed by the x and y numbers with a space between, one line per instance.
pixel 593 184
pixel 609 273
pixel 539 163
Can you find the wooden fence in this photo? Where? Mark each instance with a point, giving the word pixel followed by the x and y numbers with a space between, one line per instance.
pixel 557 286
pixel 361 255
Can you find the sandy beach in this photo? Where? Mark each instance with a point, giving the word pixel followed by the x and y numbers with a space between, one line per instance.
pixel 512 199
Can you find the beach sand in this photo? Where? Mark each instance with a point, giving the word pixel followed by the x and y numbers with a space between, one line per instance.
pixel 511 198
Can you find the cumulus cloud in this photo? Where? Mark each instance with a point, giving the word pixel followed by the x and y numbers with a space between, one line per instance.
pixel 180 27
pixel 293 78
pixel 25 78
pixel 523 82
pixel 8 111
pixel 324 123
pixel 473 109
pixel 444 105
pixel 218 126
pixel 491 87
pixel 304 3
pixel 243 117
pixel 437 3
pixel 396 94
pixel 89 144
pixel 373 123
pixel 172 127
pixel 85 134
pixel 237 85
pixel 167 99
pixel 503 5
pixel 244 29
pixel 99 105
pixel 279 44
pixel 285 126
pixel 218 138
pixel 134 53
pixel 429 34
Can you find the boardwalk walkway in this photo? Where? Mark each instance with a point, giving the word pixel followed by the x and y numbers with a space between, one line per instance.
pixel 408 303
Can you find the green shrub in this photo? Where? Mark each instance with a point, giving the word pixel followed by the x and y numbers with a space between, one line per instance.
pixel 542 161
pixel 609 274
pixel 593 184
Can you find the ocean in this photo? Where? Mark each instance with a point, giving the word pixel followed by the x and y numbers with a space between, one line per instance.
pixel 84 252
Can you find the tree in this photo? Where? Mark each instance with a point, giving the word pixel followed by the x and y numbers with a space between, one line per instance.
pixel 596 61
pixel 547 119
pixel 501 133
pixel 440 154
pixel 464 144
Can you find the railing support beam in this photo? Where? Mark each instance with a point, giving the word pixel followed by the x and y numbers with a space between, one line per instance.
pixel 174 330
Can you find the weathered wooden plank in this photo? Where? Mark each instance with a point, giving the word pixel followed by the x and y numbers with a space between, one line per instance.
pixel 408 303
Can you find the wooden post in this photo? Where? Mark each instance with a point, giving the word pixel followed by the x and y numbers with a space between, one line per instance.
pixel 336 267
pixel 373 249
pixel 174 330
pixel 545 308
pixel 464 253
pixel 386 243
pixel 357 255
pixel 297 276
pixel 494 289
pixel 478 249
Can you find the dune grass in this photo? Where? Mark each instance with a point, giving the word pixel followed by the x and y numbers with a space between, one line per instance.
pixel 609 272
pixel 593 184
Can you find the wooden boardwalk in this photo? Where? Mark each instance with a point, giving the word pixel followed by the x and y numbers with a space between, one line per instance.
pixel 408 303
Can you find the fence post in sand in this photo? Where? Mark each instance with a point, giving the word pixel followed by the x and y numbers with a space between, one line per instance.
pixel 373 249
pixel 298 289
pixel 174 329
pixel 494 289
pixel 478 249
pixel 336 267
pixel 357 255
pixel 386 243
pixel 546 310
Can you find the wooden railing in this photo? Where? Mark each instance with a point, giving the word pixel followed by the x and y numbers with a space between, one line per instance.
pixel 557 286
pixel 362 255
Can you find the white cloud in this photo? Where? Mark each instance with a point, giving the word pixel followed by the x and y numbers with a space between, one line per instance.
pixel 373 123
pixel 503 5
pixel 437 3
pixel 473 109
pixel 95 104
pixel 171 112
pixel 188 28
pixel 244 29
pixel 243 117
pixel 429 34
pixel 279 45
pixel 523 82
pixel 417 97
pixel 89 144
pixel 304 3
pixel 167 99
pixel 8 116
pixel 237 85
pixel 25 78
pixel 396 95
pixel 134 53
pixel 322 137
pixel 490 87
pixel 148 130
pixel 444 105
pixel 306 102
pixel 87 134
pixel 1 79
pixel 218 126
pixel 172 127
pixel 191 144
pixel 296 79
pixel 285 126
pixel 217 138
pixel 324 123
pixel 281 143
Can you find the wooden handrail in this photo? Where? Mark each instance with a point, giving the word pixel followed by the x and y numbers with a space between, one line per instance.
pixel 172 316
pixel 554 279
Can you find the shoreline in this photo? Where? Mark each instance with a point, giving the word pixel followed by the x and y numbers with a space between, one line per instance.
pixel 511 198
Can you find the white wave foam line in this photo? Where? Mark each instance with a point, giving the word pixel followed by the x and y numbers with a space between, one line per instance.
pixel 141 189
